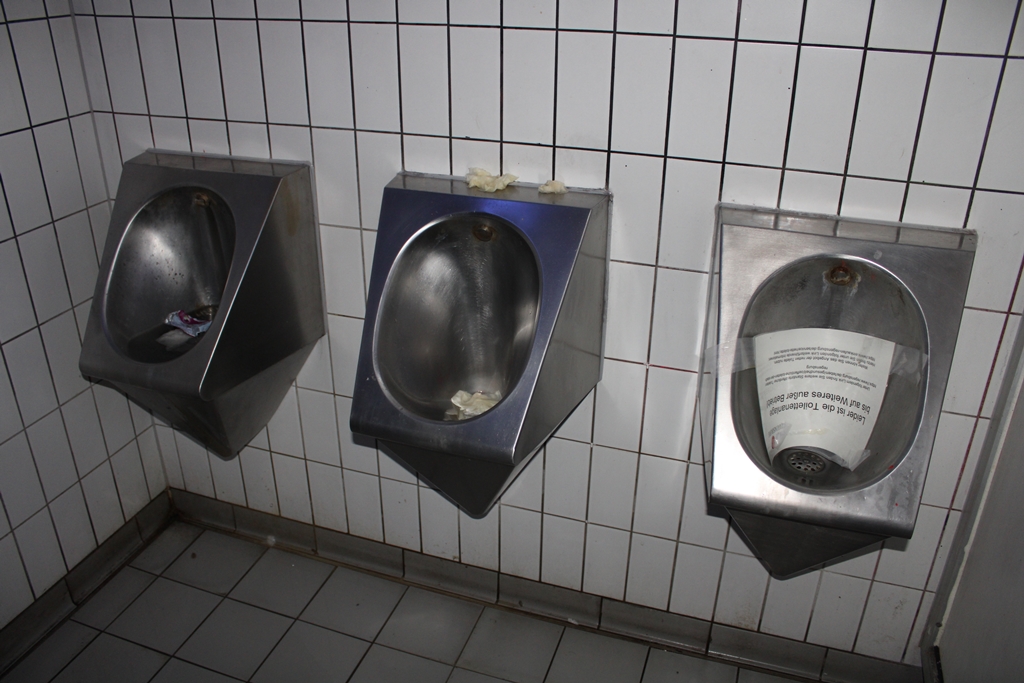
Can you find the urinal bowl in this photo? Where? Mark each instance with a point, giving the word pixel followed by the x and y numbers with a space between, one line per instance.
pixel 774 270
pixel 478 292
pixel 230 240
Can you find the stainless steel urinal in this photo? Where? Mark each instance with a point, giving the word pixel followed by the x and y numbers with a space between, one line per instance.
pixel 501 294
pixel 775 270
pixel 231 241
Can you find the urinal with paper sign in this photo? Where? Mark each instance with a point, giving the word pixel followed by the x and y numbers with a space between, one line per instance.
pixel 827 349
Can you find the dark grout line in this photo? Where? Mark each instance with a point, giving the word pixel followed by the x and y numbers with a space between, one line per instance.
pixel 501 86
pixel 992 113
pixel 611 98
pixel 729 102
pixel 924 106
pixel 856 109
pixel 792 105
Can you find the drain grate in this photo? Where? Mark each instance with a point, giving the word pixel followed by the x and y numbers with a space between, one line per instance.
pixel 805 461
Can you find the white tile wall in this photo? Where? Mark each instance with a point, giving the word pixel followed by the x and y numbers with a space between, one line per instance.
pixel 1001 166
pixel 562 564
pixel 788 604
pixel 650 571
pixel 563 88
pixel 837 610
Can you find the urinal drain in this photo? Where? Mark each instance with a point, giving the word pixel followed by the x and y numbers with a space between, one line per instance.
pixel 484 233
pixel 805 461
pixel 841 275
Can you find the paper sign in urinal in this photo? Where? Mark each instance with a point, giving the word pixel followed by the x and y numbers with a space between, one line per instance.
pixel 820 390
